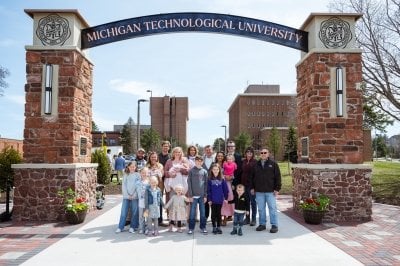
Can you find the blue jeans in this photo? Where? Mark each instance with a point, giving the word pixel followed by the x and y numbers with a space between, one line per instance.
pixel 253 204
pixel 268 198
pixel 192 216
pixel 133 205
pixel 238 219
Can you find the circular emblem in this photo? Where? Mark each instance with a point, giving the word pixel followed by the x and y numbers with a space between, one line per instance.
pixel 335 33
pixel 53 30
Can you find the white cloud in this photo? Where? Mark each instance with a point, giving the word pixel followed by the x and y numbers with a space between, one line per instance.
pixel 134 87
pixel 203 112
pixel 103 123
pixel 15 98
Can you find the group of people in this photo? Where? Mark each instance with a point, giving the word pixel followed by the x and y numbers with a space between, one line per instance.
pixel 229 186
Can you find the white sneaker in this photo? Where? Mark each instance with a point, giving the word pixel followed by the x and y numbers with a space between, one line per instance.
pixel 118 231
pixel 131 230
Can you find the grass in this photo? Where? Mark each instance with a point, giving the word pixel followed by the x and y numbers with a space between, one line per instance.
pixel 385 181
pixel 287 184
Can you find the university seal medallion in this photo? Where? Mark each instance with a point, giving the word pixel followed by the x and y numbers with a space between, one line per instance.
pixel 53 30
pixel 335 33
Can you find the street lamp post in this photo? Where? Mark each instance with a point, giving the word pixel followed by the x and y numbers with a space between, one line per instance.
pixel 151 117
pixel 138 123
pixel 224 126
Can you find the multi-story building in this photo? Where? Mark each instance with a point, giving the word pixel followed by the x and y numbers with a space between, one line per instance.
pixel 113 138
pixel 260 108
pixel 169 116
pixel 11 143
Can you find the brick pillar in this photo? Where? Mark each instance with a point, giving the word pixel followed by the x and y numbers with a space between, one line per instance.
pixel 331 139
pixel 56 138
pixel 57 143
pixel 331 145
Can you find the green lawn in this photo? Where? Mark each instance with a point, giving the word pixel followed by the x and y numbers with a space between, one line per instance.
pixel 385 181
pixel 287 184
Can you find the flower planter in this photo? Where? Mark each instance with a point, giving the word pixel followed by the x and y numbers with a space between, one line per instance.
pixel 313 217
pixel 76 218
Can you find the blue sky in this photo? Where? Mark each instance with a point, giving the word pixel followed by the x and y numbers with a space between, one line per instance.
pixel 210 69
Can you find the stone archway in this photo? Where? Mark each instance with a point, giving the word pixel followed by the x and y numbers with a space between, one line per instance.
pixel 58 115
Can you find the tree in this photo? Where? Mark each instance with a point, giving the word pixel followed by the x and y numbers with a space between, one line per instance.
pixel 291 145
pixel 3 84
pixel 379 146
pixel 8 156
pixel 94 126
pixel 175 143
pixel 242 141
pixel 274 141
pixel 378 32
pixel 128 137
pixel 374 118
pixel 150 139
pixel 99 156
pixel 219 144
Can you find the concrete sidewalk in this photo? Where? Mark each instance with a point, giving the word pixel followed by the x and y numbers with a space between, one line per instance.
pixel 95 243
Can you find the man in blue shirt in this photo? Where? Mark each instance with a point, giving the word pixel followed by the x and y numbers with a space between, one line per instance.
pixel 120 166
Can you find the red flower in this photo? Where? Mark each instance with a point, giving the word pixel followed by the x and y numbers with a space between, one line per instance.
pixel 309 201
pixel 80 200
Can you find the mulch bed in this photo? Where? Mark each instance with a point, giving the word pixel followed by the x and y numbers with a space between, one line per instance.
pixel 112 189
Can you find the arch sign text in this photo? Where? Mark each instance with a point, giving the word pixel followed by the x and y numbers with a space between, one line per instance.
pixel 194 22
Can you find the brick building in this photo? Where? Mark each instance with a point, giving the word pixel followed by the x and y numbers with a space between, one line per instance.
pixel 109 138
pixel 169 116
pixel 113 138
pixel 261 107
pixel 13 143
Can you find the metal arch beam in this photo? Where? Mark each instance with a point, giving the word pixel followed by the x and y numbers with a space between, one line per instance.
pixel 194 22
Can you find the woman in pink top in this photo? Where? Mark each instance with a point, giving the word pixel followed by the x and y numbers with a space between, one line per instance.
pixel 229 167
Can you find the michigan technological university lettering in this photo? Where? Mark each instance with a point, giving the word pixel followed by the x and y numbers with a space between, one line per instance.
pixel 192 22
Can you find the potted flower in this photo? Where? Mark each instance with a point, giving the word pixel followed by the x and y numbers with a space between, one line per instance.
pixel 75 207
pixel 314 208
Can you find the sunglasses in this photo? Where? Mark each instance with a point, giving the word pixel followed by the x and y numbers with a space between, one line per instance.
pixel 263 152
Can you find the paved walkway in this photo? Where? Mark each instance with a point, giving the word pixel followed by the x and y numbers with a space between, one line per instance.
pixel 95 243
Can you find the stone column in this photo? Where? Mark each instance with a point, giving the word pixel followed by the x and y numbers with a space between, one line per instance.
pixel 330 118
pixel 58 118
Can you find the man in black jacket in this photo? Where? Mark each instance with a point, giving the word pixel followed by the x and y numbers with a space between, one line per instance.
pixel 265 184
